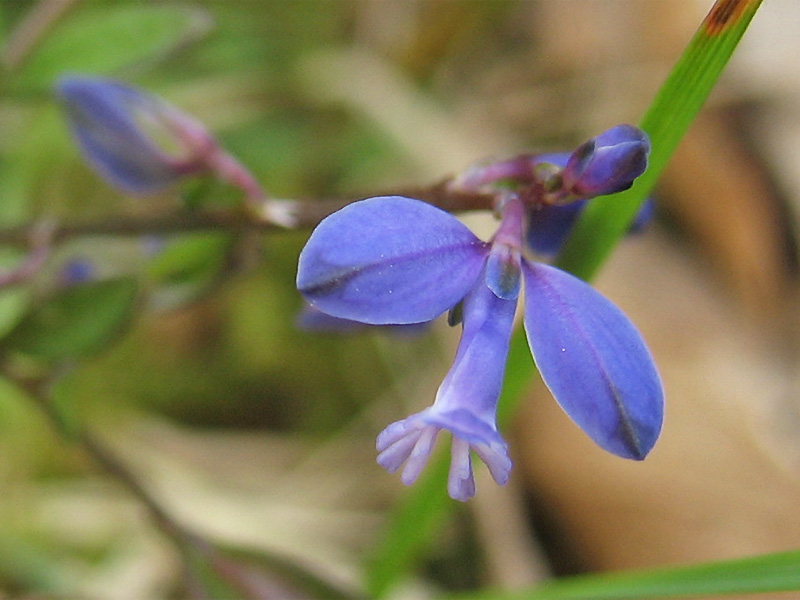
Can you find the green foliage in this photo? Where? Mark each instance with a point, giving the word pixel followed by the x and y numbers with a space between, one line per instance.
pixel 109 38
pixel 411 525
pixel 187 266
pixel 768 573
pixel 77 321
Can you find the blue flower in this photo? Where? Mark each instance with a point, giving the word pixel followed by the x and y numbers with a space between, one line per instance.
pixel 396 260
pixel 110 122
pixel 140 143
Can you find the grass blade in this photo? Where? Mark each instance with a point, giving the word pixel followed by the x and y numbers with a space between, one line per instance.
pixel 674 108
pixel 777 572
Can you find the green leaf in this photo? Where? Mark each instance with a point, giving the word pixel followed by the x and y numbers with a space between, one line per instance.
pixel 28 152
pixel 414 521
pixel 187 267
pixel 76 321
pixel 190 257
pixel 768 573
pixel 105 39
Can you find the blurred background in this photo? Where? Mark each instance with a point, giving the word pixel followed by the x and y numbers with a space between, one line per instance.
pixel 259 436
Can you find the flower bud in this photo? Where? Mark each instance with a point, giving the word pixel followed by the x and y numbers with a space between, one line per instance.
pixel 137 142
pixel 607 163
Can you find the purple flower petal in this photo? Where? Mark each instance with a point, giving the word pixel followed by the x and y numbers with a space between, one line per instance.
pixel 389 260
pixel 465 405
pixel 549 226
pixel 315 321
pixel 594 361
pixel 102 115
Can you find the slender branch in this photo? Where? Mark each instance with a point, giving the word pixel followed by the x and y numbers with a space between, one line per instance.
pixel 272 215
pixel 19 235
pixel 251 583
pixel 40 238
pixel 188 543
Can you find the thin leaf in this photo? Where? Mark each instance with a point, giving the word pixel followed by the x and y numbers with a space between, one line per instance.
pixel 187 267
pixel 415 519
pixel 777 572
pixel 77 321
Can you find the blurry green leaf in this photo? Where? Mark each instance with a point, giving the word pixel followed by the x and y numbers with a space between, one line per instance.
pixel 25 437
pixel 30 564
pixel 186 267
pixel 12 305
pixel 76 321
pixel 768 573
pixel 190 257
pixel 411 526
pixel 103 40
pixel 27 155
pixel 413 521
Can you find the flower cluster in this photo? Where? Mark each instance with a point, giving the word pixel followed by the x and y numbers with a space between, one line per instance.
pixel 397 260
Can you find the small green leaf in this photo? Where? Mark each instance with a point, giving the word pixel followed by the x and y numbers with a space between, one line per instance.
pixel 190 257
pixel 76 321
pixel 187 267
pixel 105 39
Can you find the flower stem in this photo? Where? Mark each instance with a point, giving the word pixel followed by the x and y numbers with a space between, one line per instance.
pixel 275 214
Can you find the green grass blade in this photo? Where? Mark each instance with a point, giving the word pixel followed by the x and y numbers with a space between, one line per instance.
pixel 672 111
pixel 421 511
pixel 411 526
pixel 778 572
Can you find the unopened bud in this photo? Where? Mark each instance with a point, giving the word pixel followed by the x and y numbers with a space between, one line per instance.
pixel 608 163
pixel 137 142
